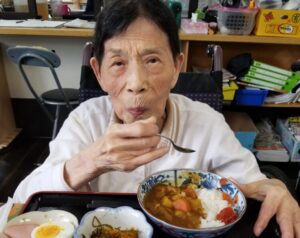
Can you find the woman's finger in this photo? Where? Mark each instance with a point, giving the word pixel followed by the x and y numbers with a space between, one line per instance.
pixel 267 211
pixel 147 127
pixel 284 218
pixel 129 144
pixel 150 156
pixel 125 161
pixel 297 223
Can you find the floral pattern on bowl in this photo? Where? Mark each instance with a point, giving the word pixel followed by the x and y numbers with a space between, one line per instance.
pixel 201 179
pixel 123 217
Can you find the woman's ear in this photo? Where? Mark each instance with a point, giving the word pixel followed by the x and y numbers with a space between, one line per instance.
pixel 97 71
pixel 177 68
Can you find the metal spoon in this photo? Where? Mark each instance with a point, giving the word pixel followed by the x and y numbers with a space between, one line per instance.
pixel 177 147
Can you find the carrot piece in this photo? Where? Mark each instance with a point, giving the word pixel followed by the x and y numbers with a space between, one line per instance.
pixel 182 204
pixel 227 198
pixel 190 192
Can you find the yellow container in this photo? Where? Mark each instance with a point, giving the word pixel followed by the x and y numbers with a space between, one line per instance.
pixel 274 22
pixel 229 91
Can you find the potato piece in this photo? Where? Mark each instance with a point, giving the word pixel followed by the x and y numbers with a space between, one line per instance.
pixel 165 201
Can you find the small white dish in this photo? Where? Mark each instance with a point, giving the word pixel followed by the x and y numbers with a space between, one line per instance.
pixel 38 217
pixel 24 224
pixel 123 217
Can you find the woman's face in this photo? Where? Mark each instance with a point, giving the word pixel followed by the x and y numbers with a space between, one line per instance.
pixel 138 71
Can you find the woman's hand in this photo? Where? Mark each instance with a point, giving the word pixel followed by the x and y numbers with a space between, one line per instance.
pixel 123 147
pixel 276 200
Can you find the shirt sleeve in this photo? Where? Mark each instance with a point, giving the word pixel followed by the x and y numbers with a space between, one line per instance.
pixel 230 158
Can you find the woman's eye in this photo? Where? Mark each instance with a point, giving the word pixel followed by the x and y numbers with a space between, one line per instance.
pixel 117 63
pixel 152 61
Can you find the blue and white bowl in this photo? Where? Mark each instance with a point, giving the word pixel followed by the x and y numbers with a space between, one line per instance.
pixel 123 217
pixel 206 180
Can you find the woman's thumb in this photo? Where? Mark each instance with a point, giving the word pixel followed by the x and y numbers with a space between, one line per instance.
pixel 243 187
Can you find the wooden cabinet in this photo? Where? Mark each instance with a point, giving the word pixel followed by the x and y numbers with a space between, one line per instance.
pixel 277 51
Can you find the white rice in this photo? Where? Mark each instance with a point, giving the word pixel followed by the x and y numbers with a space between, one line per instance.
pixel 212 202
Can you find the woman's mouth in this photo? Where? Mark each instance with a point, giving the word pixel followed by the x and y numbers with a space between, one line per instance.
pixel 136 111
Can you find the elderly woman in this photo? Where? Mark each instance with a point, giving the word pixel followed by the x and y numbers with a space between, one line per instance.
pixel 110 143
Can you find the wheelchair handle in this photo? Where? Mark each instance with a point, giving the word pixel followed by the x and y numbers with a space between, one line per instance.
pixel 216 54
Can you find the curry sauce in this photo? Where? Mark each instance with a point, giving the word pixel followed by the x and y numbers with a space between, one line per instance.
pixel 177 206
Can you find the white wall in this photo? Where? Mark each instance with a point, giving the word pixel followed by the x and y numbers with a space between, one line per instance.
pixel 69 50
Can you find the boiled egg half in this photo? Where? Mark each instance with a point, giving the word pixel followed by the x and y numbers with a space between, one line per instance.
pixel 53 230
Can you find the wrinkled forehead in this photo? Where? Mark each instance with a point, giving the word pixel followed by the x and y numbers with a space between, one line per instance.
pixel 141 35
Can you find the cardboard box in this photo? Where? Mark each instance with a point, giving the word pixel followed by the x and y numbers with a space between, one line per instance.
pixel 288 140
pixel 243 127
pixel 274 22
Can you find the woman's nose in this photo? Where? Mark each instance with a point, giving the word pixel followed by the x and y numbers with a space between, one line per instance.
pixel 137 80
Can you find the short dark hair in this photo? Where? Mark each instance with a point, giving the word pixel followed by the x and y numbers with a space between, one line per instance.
pixel 117 15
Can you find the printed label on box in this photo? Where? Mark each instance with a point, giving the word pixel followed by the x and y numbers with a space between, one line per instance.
pixel 272 22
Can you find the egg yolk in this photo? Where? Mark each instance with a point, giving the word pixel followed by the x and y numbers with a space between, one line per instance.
pixel 49 231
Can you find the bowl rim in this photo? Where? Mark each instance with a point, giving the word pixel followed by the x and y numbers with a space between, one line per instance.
pixel 106 208
pixel 191 229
